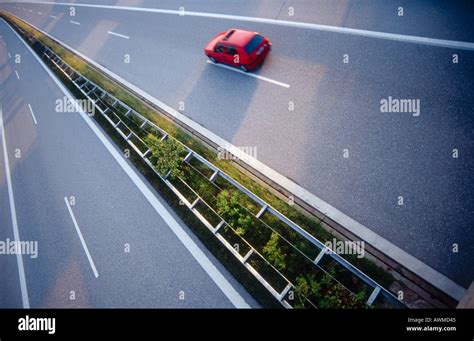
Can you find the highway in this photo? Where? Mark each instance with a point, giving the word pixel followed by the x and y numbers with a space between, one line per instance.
pixel 336 143
pixel 112 243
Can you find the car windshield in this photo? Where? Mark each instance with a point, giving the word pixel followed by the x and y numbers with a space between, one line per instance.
pixel 253 43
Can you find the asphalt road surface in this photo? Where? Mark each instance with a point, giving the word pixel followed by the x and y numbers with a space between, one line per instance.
pixel 60 156
pixel 391 156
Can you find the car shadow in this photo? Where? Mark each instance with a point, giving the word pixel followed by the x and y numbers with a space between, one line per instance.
pixel 222 91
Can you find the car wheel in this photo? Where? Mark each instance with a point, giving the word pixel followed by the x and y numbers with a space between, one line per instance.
pixel 212 59
pixel 243 68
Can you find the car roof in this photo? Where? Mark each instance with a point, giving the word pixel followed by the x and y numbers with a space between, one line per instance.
pixel 238 37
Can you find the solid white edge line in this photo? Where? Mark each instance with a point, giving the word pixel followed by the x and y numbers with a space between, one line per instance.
pixel 269 80
pixel 413 264
pixel 17 75
pixel 83 242
pixel 335 29
pixel 32 114
pixel 74 22
pixel 118 35
pixel 16 233
pixel 229 291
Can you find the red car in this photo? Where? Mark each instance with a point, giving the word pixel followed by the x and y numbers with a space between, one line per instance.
pixel 243 49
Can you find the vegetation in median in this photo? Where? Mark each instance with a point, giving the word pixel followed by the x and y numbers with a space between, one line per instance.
pixel 166 155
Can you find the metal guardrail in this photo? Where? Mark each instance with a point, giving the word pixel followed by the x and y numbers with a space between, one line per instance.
pixel 104 101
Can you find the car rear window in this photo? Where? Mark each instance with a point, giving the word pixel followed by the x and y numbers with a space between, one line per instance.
pixel 253 43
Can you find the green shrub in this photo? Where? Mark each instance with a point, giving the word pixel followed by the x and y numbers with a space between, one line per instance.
pixel 166 155
pixel 305 287
pixel 274 253
pixel 325 293
pixel 228 207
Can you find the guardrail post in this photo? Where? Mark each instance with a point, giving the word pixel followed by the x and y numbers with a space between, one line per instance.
pixel 261 212
pixel 146 153
pixel 214 176
pixel 321 254
pixel 83 85
pixel 188 156
pixel 167 175
pixel 373 296
pixel 285 291
pixel 195 202
pixel 247 256
pixel 218 227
